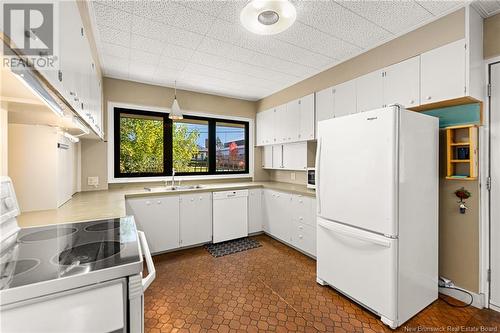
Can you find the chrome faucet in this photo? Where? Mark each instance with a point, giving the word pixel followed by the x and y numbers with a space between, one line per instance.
pixel 173 177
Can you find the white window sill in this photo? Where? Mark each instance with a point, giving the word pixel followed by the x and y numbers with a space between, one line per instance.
pixel 177 178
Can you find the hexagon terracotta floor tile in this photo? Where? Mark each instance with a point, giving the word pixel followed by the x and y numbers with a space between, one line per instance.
pixel 269 289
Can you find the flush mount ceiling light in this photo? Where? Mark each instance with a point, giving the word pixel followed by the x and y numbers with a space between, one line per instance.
pixel 268 17
pixel 175 110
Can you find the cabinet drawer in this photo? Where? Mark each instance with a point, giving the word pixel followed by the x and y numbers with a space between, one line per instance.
pixel 304 238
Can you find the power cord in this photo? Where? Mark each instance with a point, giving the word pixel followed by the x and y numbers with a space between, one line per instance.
pixel 456 305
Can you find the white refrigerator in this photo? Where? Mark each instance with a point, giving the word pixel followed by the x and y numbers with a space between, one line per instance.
pixel 377 197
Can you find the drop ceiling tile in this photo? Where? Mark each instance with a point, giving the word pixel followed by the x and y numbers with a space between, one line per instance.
pixel 170 63
pixel 224 49
pixel 183 38
pixel 141 70
pixel 114 36
pixel 317 41
pixel 144 57
pixel 115 50
pixel 146 44
pixel 149 29
pixel 127 6
pixel 193 20
pixel 231 11
pixel 116 65
pixel 211 7
pixel 395 16
pixel 440 7
pixel 488 7
pixel 160 11
pixel 330 17
pixel 112 17
pixel 176 52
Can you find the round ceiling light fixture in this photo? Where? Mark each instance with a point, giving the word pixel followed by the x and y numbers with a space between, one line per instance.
pixel 268 17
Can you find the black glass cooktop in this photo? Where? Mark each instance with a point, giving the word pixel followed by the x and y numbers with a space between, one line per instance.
pixel 52 252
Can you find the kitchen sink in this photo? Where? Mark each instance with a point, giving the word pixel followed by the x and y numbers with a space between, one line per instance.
pixel 172 188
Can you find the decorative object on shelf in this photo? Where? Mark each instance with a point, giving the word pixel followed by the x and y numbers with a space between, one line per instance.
pixel 268 17
pixel 462 194
pixel 175 110
pixel 461 152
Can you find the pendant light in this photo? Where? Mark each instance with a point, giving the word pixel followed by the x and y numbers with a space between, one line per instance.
pixel 175 110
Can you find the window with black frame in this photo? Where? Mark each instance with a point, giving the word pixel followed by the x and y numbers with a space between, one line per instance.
pixel 149 144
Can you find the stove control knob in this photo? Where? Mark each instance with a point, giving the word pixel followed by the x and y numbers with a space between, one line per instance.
pixel 9 203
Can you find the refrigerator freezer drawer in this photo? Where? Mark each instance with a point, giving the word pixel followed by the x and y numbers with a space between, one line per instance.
pixel 360 264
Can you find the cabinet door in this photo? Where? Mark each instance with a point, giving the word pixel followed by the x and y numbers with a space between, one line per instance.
pixel 255 212
pixel 279 222
pixel 306 118
pixel 291 121
pixel 280 124
pixel 324 104
pixel 70 26
pixel 195 218
pixel 369 91
pixel 344 99
pixel 402 83
pixel 277 154
pixel 304 237
pixel 267 157
pixel 294 156
pixel 442 75
pixel 260 128
pixel 158 217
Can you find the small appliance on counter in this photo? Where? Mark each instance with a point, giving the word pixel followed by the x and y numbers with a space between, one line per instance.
pixel 311 178
pixel 73 277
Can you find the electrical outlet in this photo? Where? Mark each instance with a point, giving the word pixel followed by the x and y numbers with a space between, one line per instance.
pixel 93 181
pixel 292 175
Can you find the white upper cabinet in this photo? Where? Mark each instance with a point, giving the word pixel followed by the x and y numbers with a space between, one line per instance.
pixel 344 99
pixel 442 75
pixel 306 118
pixel 324 104
pixel 294 156
pixel 287 116
pixel 267 157
pixel 402 83
pixel 369 91
pixel 265 127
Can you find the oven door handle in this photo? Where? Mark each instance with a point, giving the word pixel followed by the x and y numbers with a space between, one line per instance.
pixel 149 261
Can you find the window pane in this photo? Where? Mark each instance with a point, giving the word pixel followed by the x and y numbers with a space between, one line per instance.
pixel 190 145
pixel 230 147
pixel 141 144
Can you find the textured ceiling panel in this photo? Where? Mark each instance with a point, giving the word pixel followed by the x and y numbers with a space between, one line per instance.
pixel 202 45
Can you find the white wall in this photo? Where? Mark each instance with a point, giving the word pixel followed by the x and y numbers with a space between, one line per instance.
pixel 44 176
pixel 3 140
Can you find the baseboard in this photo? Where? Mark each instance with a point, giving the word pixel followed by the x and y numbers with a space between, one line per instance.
pixel 495 307
pixel 478 299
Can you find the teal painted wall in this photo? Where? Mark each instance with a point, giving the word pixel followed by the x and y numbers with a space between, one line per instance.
pixel 457 115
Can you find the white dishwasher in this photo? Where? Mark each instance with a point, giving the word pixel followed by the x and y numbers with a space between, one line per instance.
pixel 230 215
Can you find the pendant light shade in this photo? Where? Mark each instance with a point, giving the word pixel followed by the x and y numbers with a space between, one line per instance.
pixel 175 110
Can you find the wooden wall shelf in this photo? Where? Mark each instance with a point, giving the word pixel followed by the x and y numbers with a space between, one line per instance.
pixel 461 152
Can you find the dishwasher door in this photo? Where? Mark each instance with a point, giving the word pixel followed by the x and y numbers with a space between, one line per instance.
pixel 230 215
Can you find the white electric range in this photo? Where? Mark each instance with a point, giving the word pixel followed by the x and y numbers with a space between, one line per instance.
pixel 73 277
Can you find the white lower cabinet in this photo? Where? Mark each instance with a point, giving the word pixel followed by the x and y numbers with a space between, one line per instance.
pixel 290 218
pixel 195 218
pixel 255 214
pixel 158 217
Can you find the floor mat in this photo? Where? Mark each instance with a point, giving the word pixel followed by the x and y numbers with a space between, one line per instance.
pixel 232 246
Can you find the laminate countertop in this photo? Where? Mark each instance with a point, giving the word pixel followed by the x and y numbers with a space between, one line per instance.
pixel 96 205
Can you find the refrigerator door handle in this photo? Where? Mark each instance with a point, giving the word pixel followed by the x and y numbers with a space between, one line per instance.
pixel 149 261
pixel 368 239
pixel 317 175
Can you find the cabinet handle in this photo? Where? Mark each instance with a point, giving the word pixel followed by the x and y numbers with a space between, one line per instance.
pixel 72 93
pixel 428 97
pixel 300 236
pixel 412 101
pixel 301 227
pixel 301 218
pixel 158 202
pixel 148 203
